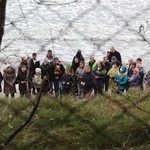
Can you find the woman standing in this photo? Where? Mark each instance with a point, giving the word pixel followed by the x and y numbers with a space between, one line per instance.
pixel 9 77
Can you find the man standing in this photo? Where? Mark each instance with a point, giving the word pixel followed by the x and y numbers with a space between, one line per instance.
pixel 93 63
pixel 57 71
pixel 114 55
pixel 33 64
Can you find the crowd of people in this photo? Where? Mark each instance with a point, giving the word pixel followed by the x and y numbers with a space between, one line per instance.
pixel 78 78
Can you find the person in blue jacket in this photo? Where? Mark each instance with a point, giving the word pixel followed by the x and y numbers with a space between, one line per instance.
pixel 121 79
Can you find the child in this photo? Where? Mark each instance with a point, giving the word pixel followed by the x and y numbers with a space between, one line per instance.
pixel 22 80
pixel 9 77
pixel 37 80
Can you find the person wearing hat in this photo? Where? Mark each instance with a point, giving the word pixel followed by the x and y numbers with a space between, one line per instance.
pixel 79 56
pixel 9 76
pixel 46 71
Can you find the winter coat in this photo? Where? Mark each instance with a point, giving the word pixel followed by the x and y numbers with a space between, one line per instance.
pixel 37 81
pixel 79 74
pixel 79 56
pixel 33 65
pixel 9 77
pixel 115 54
pixel 107 66
pixel 67 81
pixel 121 80
pixel 130 70
pixel 74 67
pixel 93 65
pixel 46 70
pixel 89 80
pixel 147 77
pixel 57 71
pixel 22 81
pixel 135 80
pixel 49 59
pixel 100 75
pixel 113 71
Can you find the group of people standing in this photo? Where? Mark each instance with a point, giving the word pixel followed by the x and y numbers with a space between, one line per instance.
pixel 79 78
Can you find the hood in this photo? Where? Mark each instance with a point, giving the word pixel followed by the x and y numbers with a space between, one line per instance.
pixel 123 68
pixel 9 70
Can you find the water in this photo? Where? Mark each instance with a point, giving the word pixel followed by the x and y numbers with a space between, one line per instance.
pixel 90 25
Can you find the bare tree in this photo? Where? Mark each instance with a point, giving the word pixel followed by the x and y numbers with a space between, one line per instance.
pixel 2 18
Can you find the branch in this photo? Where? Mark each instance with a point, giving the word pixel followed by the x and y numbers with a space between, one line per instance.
pixel 20 128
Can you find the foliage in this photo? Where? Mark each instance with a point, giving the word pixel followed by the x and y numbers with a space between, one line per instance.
pixel 113 121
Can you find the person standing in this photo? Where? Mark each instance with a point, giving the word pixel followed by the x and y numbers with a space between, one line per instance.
pixel 121 79
pixel 37 79
pixel 78 76
pixel 135 80
pixel 33 64
pixel 100 78
pixel 93 63
pixel 9 77
pixel 46 75
pixel 75 65
pixel 49 57
pixel 57 72
pixel 107 65
pixel 79 56
pixel 114 55
pixel 22 80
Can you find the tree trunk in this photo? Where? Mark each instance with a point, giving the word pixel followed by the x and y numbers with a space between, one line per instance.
pixel 2 18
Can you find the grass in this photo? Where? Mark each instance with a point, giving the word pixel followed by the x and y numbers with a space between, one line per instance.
pixel 108 122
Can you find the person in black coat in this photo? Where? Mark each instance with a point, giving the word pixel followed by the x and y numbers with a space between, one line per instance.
pixel 46 70
pixel 75 65
pixel 107 65
pixel 114 55
pixel 67 81
pixel 22 80
pixel 33 64
pixel 88 82
pixel 79 56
